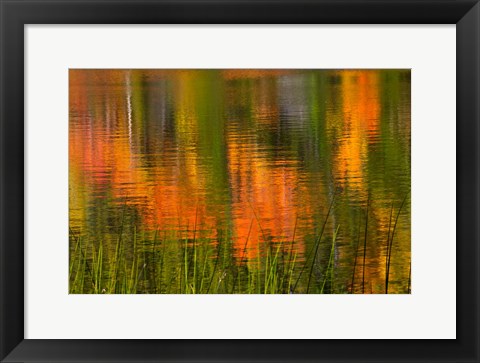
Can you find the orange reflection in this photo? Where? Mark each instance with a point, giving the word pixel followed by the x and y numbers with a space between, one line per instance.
pixel 360 118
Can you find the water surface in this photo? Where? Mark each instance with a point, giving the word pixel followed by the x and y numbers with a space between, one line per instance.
pixel 245 161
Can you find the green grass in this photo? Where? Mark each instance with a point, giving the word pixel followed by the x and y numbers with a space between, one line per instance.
pixel 161 262
pixel 172 265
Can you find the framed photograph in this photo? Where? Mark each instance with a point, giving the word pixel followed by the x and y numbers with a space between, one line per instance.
pixel 239 181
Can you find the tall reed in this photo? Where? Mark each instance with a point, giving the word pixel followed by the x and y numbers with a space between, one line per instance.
pixel 391 244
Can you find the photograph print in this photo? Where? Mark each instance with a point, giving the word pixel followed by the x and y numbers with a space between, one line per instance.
pixel 239 181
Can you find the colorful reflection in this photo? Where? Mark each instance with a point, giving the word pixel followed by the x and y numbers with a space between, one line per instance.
pixel 251 158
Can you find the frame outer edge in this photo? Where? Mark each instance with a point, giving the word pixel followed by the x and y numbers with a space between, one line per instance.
pixel 11 323
pixel 468 180
pixel 3 328
pixel 12 179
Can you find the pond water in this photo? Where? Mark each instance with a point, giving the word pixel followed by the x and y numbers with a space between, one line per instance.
pixel 239 181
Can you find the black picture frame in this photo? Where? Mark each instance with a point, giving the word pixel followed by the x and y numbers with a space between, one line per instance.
pixel 15 14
